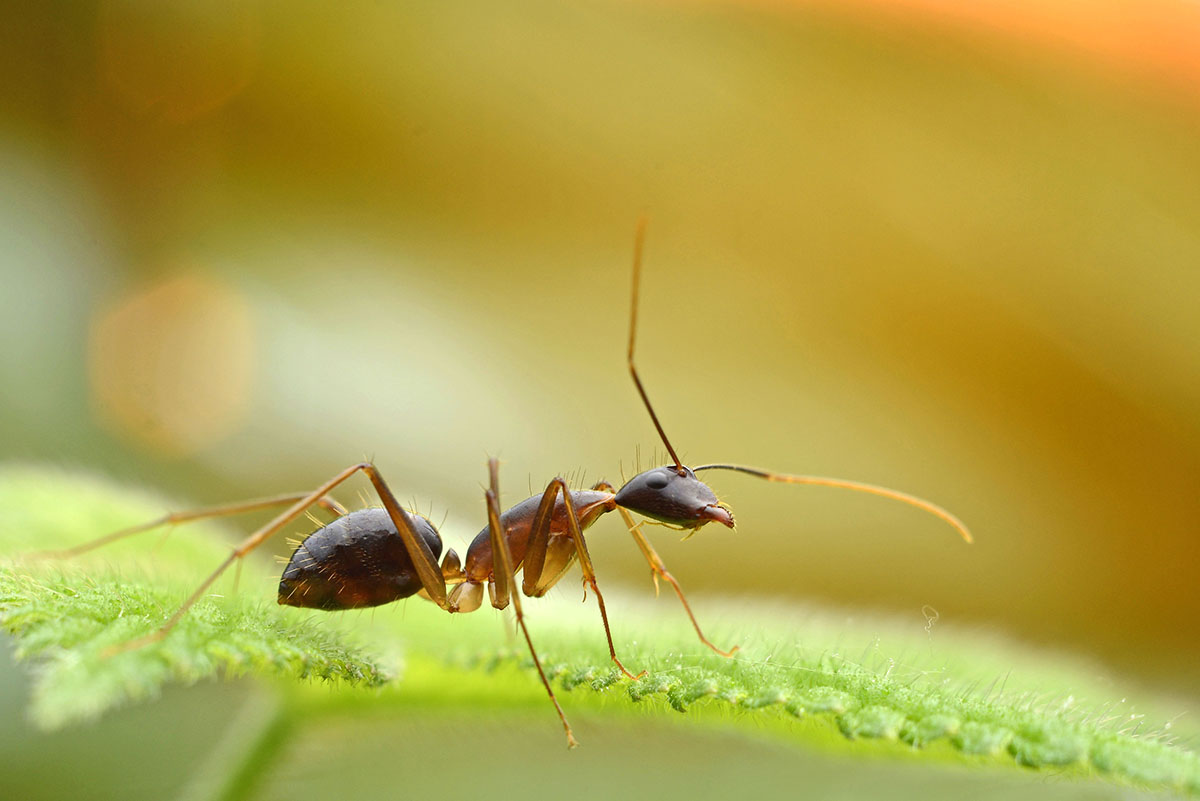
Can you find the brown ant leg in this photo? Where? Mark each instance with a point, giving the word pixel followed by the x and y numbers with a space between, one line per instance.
pixel 657 569
pixel 504 576
pixel 535 556
pixel 174 518
pixel 414 544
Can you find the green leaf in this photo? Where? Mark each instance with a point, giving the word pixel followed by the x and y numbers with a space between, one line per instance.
pixel 65 614
pixel 802 674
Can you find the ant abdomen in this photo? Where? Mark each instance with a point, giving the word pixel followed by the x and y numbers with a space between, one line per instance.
pixel 356 561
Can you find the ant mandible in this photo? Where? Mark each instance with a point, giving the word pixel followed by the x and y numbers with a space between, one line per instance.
pixel 378 555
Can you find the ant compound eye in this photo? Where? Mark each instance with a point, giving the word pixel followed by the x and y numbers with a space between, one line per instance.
pixel 656 482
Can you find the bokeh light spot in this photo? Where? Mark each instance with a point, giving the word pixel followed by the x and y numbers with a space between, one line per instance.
pixel 172 365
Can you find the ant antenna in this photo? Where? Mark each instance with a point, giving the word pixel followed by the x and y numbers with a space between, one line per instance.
pixel 857 486
pixel 639 238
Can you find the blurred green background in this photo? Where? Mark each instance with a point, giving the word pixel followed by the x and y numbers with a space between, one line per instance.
pixel 243 245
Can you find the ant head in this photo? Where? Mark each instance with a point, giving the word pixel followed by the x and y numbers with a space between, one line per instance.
pixel 675 496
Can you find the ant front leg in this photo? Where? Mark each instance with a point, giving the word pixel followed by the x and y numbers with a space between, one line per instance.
pixel 659 570
pixel 504 579
pixel 535 555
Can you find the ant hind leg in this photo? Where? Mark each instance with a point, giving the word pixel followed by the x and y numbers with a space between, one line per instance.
pixel 174 518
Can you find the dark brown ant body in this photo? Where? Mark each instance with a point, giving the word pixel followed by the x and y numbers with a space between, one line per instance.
pixel 356 561
pixel 378 555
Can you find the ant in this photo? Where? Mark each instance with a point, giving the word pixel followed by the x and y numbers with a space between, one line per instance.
pixel 377 555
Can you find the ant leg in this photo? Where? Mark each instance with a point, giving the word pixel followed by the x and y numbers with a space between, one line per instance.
pixel 325 502
pixel 415 545
pixel 504 576
pixel 535 556
pixel 657 569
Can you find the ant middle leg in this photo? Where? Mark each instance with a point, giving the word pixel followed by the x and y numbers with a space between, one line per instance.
pixel 535 556
pixel 504 579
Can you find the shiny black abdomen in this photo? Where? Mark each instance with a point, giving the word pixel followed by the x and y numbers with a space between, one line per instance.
pixel 356 561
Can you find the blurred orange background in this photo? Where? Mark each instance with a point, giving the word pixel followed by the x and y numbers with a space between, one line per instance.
pixel 947 248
